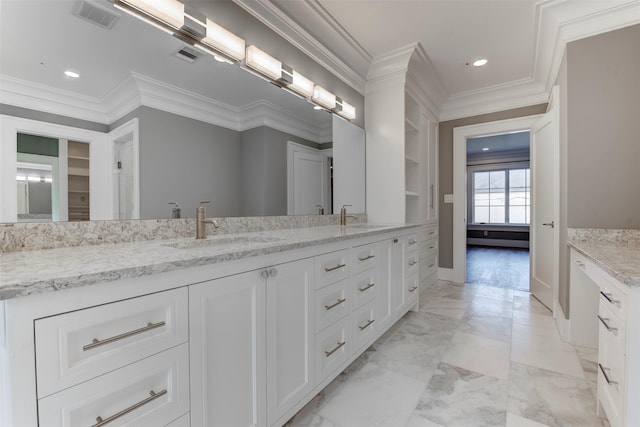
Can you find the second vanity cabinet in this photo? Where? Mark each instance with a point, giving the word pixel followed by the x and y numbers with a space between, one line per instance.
pixel 618 318
pixel 241 343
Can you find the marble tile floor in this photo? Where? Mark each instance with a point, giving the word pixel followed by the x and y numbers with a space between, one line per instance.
pixel 472 356
pixel 498 267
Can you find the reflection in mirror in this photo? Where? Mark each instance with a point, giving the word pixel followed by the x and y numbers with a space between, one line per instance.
pixel 205 130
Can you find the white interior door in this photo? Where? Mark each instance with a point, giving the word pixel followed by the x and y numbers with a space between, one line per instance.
pixel 545 191
pixel 308 180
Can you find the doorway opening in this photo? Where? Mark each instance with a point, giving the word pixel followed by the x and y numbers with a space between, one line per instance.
pixel 498 210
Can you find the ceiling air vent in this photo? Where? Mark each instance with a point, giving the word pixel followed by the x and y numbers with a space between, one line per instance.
pixel 188 54
pixel 96 14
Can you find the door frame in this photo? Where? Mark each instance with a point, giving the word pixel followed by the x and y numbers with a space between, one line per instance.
pixel 460 136
pixel 293 147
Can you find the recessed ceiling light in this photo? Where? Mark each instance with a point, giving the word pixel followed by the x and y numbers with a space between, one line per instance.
pixel 480 62
pixel 71 74
pixel 317 107
pixel 485 148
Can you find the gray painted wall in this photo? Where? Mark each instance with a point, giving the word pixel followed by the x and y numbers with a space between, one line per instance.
pixel 603 95
pixel 264 177
pixel 445 159
pixel 185 161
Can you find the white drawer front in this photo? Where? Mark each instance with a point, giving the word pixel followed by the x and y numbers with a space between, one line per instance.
pixel 412 261
pixel 125 395
pixel 613 298
pixel 364 287
pixel 412 242
pixel 364 258
pixel 364 326
pixel 331 268
pixel 183 421
pixel 430 247
pixel 333 349
pixel 428 265
pixel 611 375
pixel 411 283
pixel 332 303
pixel 126 331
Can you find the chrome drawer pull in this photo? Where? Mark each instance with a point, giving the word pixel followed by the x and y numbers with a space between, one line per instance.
pixel 609 297
pixel 413 262
pixel 413 289
pixel 606 377
pixel 328 269
pixel 580 263
pixel 604 320
pixel 369 286
pixel 362 328
pixel 431 247
pixel 328 353
pixel 96 342
pixel 153 396
pixel 412 242
pixel 335 304
pixel 366 258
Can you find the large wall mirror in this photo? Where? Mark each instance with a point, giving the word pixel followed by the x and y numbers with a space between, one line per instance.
pixel 193 128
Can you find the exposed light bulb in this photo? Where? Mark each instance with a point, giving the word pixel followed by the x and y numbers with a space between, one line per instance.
pixel 480 62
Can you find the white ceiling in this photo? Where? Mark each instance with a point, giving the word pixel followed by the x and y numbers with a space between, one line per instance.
pixel 522 39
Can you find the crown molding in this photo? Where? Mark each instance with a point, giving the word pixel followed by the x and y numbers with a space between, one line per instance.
pixel 138 90
pixel 22 93
pixel 274 18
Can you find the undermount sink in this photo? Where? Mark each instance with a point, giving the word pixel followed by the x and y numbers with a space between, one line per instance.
pixel 221 241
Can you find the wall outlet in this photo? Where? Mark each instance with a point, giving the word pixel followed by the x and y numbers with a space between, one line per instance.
pixel 448 198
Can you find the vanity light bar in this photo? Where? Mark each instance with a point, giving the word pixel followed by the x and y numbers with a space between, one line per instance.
pixel 170 12
pixel 264 63
pixel 224 40
pixel 346 110
pixel 324 98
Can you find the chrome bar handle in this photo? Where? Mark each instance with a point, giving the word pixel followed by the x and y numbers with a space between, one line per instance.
pixel 366 258
pixel 412 242
pixel 579 263
pixel 606 377
pixel 362 328
pixel 609 298
pixel 604 320
pixel 413 262
pixel 413 289
pixel 328 353
pixel 335 304
pixel 97 343
pixel 152 396
pixel 369 286
pixel 328 269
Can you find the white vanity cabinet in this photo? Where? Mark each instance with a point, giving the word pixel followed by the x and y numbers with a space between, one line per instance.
pixel 241 343
pixel 290 335
pixel 617 313
pixel 228 351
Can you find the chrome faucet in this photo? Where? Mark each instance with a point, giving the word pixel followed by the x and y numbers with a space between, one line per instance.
pixel 202 221
pixel 344 216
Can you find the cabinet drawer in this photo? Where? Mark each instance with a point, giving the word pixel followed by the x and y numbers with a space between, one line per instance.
pixel 428 265
pixel 80 345
pixel 611 375
pixel 365 287
pixel 333 302
pixel 411 287
pixel 125 395
pixel 613 298
pixel 331 268
pixel 364 258
pixel 364 326
pixel 412 262
pixel 333 349
pixel 412 242
pixel 430 246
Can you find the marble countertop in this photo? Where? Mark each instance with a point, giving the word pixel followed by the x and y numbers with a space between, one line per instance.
pixel 619 259
pixel 33 272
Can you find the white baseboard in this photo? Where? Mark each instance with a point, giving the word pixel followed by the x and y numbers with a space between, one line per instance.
pixel 445 274
pixel 564 324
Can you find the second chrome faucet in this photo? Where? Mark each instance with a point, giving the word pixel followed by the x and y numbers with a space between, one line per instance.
pixel 202 221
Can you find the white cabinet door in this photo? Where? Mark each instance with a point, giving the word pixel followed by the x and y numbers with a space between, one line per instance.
pixel 227 318
pixel 383 285
pixel 290 335
pixel 396 276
